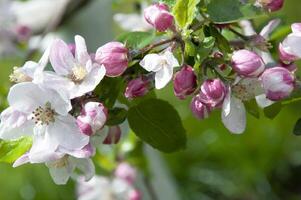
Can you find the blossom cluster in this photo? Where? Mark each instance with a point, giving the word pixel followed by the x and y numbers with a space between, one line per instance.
pixel 52 101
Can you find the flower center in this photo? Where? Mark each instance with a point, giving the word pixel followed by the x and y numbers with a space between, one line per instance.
pixel 18 76
pixel 163 63
pixel 78 74
pixel 44 115
pixel 62 162
pixel 244 92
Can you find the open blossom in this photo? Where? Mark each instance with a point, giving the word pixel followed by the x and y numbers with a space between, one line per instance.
pixel 159 17
pixel 114 57
pixel 247 63
pixel 289 49
pixel 136 88
pixel 213 92
pixel 77 75
pixel 162 65
pixel 185 82
pixel 93 117
pixel 199 109
pixel 42 114
pixel 278 83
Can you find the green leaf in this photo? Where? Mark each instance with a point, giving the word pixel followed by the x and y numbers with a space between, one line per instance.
pixel 157 123
pixel 221 42
pixel 229 11
pixel 136 40
pixel 272 111
pixel 108 90
pixel 11 150
pixel 252 108
pixel 116 116
pixel 297 128
pixel 185 11
pixel 170 3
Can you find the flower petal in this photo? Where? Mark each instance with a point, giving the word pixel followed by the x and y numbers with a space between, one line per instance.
pixel 171 59
pixel 163 76
pixel 263 101
pixel 61 170
pixel 21 160
pixel 81 53
pixel 86 166
pixel 61 57
pixel 269 28
pixel 235 120
pixel 151 62
pixel 67 134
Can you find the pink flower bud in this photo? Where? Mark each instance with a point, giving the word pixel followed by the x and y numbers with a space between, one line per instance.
pixel 114 56
pixel 199 109
pixel 135 195
pixel 286 56
pixel 247 63
pixel 270 5
pixel 159 17
pixel 136 88
pixel 185 82
pixel 93 118
pixel 126 172
pixel 292 67
pixel 23 32
pixel 213 92
pixel 278 83
pixel 114 135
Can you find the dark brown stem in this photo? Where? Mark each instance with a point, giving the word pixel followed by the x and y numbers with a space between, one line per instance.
pixel 160 43
pixel 238 34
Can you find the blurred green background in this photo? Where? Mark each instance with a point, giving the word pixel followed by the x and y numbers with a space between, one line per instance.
pixel 263 163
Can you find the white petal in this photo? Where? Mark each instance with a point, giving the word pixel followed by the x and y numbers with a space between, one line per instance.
pixel 29 68
pixel 21 160
pixel 86 166
pixel 61 172
pixel 90 82
pixel 151 62
pixel 235 120
pixel 44 59
pixel 61 57
pixel 67 134
pixel 162 77
pixel 263 101
pixel 269 28
pixel 293 42
pixel 81 53
pixel 226 103
pixel 171 59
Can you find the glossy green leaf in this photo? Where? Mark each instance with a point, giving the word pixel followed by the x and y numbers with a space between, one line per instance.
pixel 11 150
pixel 272 111
pixel 229 11
pixel 185 11
pixel 136 39
pixel 116 116
pixel 157 123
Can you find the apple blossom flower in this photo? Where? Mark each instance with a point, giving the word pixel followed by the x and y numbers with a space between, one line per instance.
pixel 247 63
pixel 136 88
pixel 162 65
pixel 126 172
pixel 113 136
pixel 93 117
pixel 199 109
pixel 289 49
pixel 77 75
pixel 42 114
pixel 213 92
pixel 114 57
pixel 278 83
pixel 99 188
pixel 159 17
pixel 185 82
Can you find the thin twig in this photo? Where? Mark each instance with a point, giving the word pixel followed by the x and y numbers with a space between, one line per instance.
pixel 238 34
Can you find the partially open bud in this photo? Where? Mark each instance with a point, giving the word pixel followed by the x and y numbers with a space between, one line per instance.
pixel 213 92
pixel 199 109
pixel 113 136
pixel 126 172
pixel 271 5
pixel 247 63
pixel 185 82
pixel 286 56
pixel 136 88
pixel 114 56
pixel 159 17
pixel 93 118
pixel 135 195
pixel 278 83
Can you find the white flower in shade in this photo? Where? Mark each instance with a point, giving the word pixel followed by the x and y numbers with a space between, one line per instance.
pixel 162 65
pixel 100 188
pixel 233 109
pixel 75 74
pixel 42 114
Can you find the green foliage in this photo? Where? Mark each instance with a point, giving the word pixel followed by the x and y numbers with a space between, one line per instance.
pixel 297 128
pixel 116 116
pixel 185 12
pixel 221 42
pixel 11 150
pixel 229 11
pixel 170 3
pixel 272 111
pixel 252 108
pixel 157 123
pixel 136 39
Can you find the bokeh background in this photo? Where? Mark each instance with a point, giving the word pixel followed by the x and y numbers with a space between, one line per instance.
pixel 263 163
